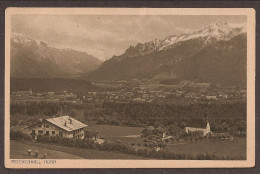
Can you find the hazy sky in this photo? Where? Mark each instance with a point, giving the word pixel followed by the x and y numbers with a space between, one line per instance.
pixel 105 36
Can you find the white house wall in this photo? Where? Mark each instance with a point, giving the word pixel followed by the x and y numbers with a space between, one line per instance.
pixel 45 126
pixel 192 129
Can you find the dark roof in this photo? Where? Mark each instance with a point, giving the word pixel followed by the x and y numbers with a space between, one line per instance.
pixel 198 123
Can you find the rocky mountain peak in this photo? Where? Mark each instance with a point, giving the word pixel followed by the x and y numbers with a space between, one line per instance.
pixel 21 39
pixel 213 32
pixel 31 58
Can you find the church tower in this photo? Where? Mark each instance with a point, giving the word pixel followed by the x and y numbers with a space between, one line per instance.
pixel 208 126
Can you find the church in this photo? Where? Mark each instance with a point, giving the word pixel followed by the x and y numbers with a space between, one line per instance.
pixel 198 126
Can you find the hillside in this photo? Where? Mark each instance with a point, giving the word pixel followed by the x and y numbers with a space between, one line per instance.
pixel 223 62
pixel 147 66
pixel 216 54
pixel 35 59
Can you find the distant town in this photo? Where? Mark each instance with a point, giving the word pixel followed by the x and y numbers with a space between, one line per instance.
pixel 140 91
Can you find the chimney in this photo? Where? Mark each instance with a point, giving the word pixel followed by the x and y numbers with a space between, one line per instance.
pixel 70 120
pixel 65 124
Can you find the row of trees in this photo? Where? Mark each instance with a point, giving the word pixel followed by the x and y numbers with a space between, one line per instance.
pixel 223 117
pixel 42 108
pixel 155 111
pixel 142 112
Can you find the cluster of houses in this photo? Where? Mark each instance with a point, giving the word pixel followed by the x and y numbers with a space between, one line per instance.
pixel 69 127
pixel 138 91
pixel 199 127
pixel 22 94
pixel 52 96
pixel 143 91
pixel 155 96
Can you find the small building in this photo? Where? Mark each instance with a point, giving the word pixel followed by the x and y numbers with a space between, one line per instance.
pixel 23 93
pixel 64 126
pixel 51 93
pixel 162 131
pixel 198 126
pixel 211 97
pixel 150 128
pixel 137 99
pixel 155 131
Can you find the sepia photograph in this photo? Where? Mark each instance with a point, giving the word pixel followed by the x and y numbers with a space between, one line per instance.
pixel 129 87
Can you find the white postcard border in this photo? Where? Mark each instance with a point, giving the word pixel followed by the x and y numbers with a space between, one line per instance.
pixel 86 163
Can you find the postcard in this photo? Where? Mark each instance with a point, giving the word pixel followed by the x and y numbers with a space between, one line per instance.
pixel 129 87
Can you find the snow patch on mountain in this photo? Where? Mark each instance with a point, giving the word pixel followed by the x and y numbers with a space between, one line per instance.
pixel 214 32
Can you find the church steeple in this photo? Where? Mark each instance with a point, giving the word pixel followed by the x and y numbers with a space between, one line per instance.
pixel 206 117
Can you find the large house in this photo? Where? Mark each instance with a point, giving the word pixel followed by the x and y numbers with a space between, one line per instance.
pixel 64 126
pixel 198 126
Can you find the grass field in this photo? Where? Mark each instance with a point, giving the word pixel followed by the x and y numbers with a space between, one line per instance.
pixel 115 133
pixel 19 151
pixel 237 147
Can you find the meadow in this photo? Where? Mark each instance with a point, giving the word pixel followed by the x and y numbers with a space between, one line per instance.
pixel 237 147
pixel 114 133
pixel 19 151
pixel 129 135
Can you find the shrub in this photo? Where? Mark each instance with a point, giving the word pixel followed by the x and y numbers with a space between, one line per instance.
pixel 19 135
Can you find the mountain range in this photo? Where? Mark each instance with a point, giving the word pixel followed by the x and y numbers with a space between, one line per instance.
pixel 35 59
pixel 216 53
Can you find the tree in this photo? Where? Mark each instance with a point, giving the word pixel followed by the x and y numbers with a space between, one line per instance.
pixel 72 113
pixel 156 124
pixel 183 125
pixel 241 125
pixel 172 139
